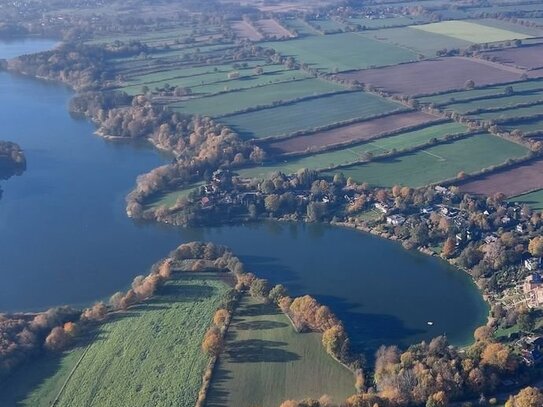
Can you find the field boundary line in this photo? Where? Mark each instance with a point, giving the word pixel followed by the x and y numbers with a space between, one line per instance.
pixel 57 398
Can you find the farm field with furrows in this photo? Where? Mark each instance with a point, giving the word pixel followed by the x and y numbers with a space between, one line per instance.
pixel 528 57
pixel 341 52
pixel 357 132
pixel 266 361
pixel 218 81
pixel 439 75
pixel 481 93
pixel 504 102
pixel 438 163
pixel 512 182
pixel 148 355
pixel 347 155
pixel 229 102
pixel 299 116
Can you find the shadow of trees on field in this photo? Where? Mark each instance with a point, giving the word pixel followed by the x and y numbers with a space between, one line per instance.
pixel 258 351
pixel 259 325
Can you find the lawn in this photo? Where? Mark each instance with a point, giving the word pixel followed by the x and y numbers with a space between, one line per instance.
pixel 472 32
pixel 169 199
pixel 225 103
pixel 437 163
pixel 148 356
pixel 266 362
pixel 533 199
pixel 356 153
pixel 341 52
pixel 309 114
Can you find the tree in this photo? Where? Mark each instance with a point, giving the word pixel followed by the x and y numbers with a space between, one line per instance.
pixel 212 344
pixel 259 288
pixel 483 333
pixel 220 317
pixel 57 339
pixel 333 339
pixel 470 84
pixel 315 211
pixel 449 247
pixel 498 356
pixel 527 397
pixel 438 399
pixel 535 247
pixel 277 293
pixel 272 203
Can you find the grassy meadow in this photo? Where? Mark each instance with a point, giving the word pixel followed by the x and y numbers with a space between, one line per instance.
pixel 225 103
pixel 147 356
pixel 533 199
pixel 470 31
pixel 437 163
pixel 266 362
pixel 341 52
pixel 355 153
pixel 309 114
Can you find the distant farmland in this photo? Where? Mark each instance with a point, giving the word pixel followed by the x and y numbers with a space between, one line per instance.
pixel 348 155
pixel 245 30
pixel 303 115
pixel 439 75
pixel 341 51
pixel 417 41
pixel 528 57
pixel 512 182
pixel 362 131
pixel 229 102
pixel 266 362
pixel 438 163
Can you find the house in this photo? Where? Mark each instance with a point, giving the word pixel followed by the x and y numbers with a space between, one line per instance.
pixel 395 220
pixel 427 210
pixel 533 290
pixel 533 263
pixel 382 207
pixel 491 239
pixel 521 228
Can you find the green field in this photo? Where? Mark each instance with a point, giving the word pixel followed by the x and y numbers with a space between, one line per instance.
pixel 266 362
pixel 356 153
pixel 417 41
pixel 465 95
pixel 309 114
pixel 509 114
pixel 217 81
pixel 374 23
pixel 472 32
pixel 437 163
pixel 327 25
pixel 533 199
pixel 341 52
pixel 301 27
pixel 225 103
pixel 147 356
pixel 492 103
pixel 169 199
pixel 528 126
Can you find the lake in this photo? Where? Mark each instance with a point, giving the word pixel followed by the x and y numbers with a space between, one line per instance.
pixel 65 237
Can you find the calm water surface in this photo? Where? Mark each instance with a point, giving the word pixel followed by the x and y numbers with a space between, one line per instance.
pixel 65 238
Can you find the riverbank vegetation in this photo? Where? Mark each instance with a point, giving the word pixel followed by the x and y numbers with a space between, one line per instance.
pixel 293 75
pixel 12 160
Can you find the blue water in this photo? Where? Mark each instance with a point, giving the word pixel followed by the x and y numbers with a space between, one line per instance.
pixel 65 237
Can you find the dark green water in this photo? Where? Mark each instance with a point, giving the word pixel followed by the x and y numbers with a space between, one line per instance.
pixel 65 239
